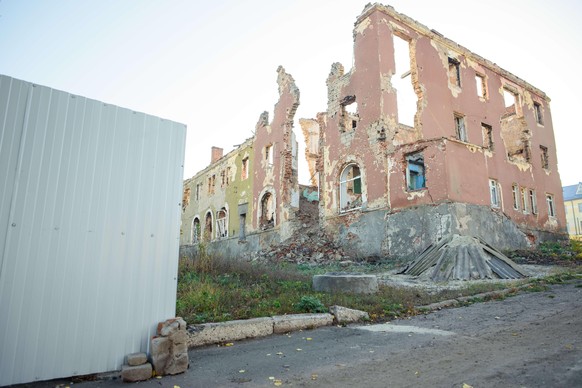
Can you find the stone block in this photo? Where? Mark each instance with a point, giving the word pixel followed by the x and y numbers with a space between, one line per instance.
pixel 356 283
pixel 212 333
pixel 160 351
pixel 136 373
pixel 346 315
pixel 177 364
pixel 294 322
pixel 135 359
pixel 170 326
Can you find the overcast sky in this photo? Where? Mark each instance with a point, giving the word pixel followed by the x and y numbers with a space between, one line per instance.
pixel 212 64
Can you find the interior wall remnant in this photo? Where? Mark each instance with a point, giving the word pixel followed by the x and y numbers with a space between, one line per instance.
pixel 351 188
pixel 406 98
pixel 310 129
pixel 415 176
pixel 267 217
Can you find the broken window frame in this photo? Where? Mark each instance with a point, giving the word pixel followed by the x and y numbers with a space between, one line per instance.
pixel 454 72
pixel 494 193
pixel 533 201
pixel 551 205
pixel 538 114
pixel 461 128
pixel 351 182
pixel 196 229
pixel 208 227
pixel 481 84
pixel 222 223
pixel 515 194
pixel 544 157
pixel 507 93
pixel 487 136
pixel 524 201
pixel 403 80
pixel 267 205
pixel 349 117
pixel 198 190
pixel 415 172
pixel 244 172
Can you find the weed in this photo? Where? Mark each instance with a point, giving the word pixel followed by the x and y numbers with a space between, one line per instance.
pixel 310 304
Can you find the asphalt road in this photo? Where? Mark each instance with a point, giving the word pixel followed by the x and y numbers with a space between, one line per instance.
pixel 530 340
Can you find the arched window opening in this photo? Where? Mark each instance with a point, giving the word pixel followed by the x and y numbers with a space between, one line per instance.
pixel 196 231
pixel 221 223
pixel 208 227
pixel 267 218
pixel 350 188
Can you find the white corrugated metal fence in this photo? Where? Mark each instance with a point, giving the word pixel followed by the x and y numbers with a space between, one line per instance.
pixel 89 231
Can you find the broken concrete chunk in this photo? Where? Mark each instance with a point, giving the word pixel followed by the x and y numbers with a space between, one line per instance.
pixel 136 373
pixel 346 315
pixel 135 359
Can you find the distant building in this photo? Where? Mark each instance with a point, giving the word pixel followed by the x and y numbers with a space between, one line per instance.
pixel 421 139
pixel 573 205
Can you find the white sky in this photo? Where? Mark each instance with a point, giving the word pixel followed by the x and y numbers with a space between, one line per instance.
pixel 212 64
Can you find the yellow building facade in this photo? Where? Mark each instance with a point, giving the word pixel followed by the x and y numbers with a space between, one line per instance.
pixel 573 204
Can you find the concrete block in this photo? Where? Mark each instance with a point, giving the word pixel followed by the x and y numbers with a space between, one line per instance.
pixel 136 373
pixel 170 326
pixel 346 315
pixel 294 322
pixel 177 364
pixel 346 282
pixel 135 359
pixel 212 333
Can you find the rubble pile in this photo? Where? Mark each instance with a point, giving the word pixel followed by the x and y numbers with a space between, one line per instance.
pixel 309 245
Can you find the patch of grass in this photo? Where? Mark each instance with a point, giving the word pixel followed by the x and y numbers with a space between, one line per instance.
pixel 215 289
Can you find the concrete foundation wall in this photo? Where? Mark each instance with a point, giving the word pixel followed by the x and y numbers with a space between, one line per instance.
pixel 407 233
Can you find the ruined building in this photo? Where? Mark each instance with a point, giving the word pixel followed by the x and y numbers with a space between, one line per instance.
pixel 421 139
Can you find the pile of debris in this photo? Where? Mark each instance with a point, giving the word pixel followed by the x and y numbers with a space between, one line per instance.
pixel 310 245
pixel 463 258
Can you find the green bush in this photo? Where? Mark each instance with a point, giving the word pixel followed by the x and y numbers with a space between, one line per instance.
pixel 310 304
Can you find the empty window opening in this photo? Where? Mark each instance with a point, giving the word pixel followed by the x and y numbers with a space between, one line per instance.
pixel 245 169
pixel 267 217
pixel 211 184
pixel 196 231
pixel 494 193
pixel 544 157
pixel 551 207
pixel 350 188
pixel 242 220
pixel 227 176
pixel 269 155
pixel 454 72
pixel 221 223
pixel 406 98
pixel 460 129
pixel 510 99
pixel 481 85
pixel 515 195
pixel 208 227
pixel 538 113
pixel 349 114
pixel 222 178
pixel 524 201
pixel 487 136
pixel 185 199
pixel 415 177
pixel 198 189
pixel 533 201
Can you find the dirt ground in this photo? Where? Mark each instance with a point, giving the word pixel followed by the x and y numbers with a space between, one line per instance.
pixel 529 340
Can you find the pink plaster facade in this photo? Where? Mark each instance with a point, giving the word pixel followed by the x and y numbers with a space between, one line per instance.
pixel 456 170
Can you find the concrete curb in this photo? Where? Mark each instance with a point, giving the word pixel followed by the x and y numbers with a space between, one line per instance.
pixel 214 333
pixel 464 299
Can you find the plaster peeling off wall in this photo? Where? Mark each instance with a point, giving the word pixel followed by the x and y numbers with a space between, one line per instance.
pixel 310 129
